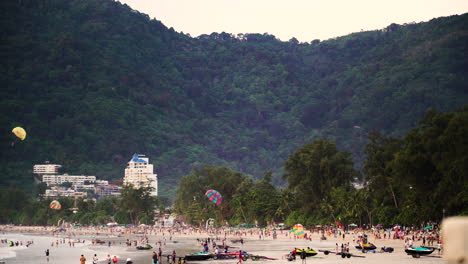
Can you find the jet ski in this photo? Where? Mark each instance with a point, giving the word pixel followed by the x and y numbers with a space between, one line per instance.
pixel 369 246
pixel 309 252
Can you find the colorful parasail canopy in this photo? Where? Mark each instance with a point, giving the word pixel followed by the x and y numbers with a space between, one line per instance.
pixel 214 196
pixel 55 205
pixel 19 132
pixel 298 230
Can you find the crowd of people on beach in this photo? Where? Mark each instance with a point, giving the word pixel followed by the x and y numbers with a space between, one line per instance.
pixel 215 237
pixel 11 243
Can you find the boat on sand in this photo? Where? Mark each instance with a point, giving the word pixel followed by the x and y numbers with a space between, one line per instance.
pixel 416 252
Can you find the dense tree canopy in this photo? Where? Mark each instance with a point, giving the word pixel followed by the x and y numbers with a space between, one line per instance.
pixel 422 174
pixel 134 206
pixel 314 169
pixel 244 200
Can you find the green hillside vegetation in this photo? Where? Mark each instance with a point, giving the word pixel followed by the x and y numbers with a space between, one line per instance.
pixel 418 178
pixel 94 81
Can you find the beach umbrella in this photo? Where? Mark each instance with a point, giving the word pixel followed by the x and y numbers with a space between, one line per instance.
pixel 427 227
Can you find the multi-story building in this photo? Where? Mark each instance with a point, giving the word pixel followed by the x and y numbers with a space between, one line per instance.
pixel 46 168
pixel 108 190
pixel 63 192
pixel 75 180
pixel 102 183
pixel 139 173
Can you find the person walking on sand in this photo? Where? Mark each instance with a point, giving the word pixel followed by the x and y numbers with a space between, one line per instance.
pixel 173 256
pixel 303 256
pixel 82 260
pixel 155 258
pixel 109 259
pixel 240 257
pixel 115 259
pixel 95 259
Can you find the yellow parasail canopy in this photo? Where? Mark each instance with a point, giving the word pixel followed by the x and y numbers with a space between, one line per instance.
pixel 19 132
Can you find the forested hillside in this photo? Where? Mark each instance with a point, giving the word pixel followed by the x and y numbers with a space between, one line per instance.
pixel 93 81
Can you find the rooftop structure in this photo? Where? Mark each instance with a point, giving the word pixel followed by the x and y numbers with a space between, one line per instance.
pixel 139 173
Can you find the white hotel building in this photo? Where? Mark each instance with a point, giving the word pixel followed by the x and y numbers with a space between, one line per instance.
pixel 46 169
pixel 139 173
pixel 75 180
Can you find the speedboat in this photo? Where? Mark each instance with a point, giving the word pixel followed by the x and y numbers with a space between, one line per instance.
pixel 199 256
pixel 230 255
pixel 98 241
pixel 416 252
pixel 144 247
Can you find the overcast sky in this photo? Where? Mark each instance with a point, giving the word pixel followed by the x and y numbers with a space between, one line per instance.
pixel 304 19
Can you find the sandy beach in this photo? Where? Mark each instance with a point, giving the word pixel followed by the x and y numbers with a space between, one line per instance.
pixel 183 241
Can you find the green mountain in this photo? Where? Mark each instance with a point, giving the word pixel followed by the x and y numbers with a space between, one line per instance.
pixel 93 81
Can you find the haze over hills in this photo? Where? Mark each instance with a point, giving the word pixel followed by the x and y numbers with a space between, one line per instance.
pixel 94 82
